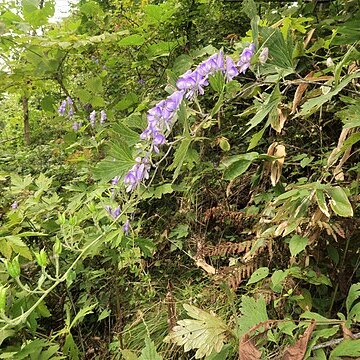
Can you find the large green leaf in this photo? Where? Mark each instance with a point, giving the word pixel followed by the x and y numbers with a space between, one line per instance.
pixel 354 294
pixel 253 312
pixel 339 202
pixel 149 352
pixel 258 275
pixel 132 40
pixel 297 244
pixel 118 162
pixel 237 165
pixel 204 332
pixel 346 348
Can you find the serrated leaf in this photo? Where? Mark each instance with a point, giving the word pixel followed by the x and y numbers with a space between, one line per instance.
pixel 204 332
pixel 149 352
pixel 253 312
pixel 339 202
pixel 297 244
pixel 346 348
pixel 258 275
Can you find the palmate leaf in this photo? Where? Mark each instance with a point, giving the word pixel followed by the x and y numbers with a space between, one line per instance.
pixel 204 332
pixel 253 313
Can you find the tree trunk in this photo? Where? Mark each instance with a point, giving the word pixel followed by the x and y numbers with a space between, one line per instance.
pixel 25 105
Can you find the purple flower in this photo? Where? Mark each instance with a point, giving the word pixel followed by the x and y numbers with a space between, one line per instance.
pixel 92 118
pixel 211 65
pixel 245 58
pixel 71 111
pixel 103 116
pixel 126 226
pixel 76 126
pixel 62 108
pixel 264 55
pixel 138 173
pixel 114 213
pixel 69 100
pixel 115 180
pixel 192 82
pixel 14 205
pixel 230 71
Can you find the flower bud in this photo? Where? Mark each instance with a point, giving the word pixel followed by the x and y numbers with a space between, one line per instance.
pixel 57 248
pixel 3 291
pixel 329 62
pixel 41 258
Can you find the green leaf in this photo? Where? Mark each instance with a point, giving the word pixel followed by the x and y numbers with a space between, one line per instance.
pixel 222 355
pixel 297 244
pixel 132 40
pixel 253 312
pixel 236 165
pixel 180 156
pixel 339 202
pixel 346 348
pixel 86 310
pixel 117 163
pixel 128 355
pixel 149 352
pixel 354 294
pixel 277 278
pixel 70 348
pixel 127 101
pixel 313 105
pixel 258 275
pixel 104 314
pixel 204 332
pixel 94 85
pixel 271 103
pixel 122 131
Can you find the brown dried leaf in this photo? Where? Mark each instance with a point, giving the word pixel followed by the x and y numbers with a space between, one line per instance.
pixel 276 165
pixel 300 92
pixel 247 349
pixel 308 38
pixel 280 120
pixel 297 351
pixel 347 332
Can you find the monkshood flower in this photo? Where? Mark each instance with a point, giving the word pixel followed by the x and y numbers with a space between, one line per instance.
pixel 14 205
pixel 93 118
pixel 193 83
pixel 138 173
pixel 230 70
pixel 62 108
pixel 160 119
pixel 103 116
pixel 114 213
pixel 76 126
pixel 245 58
pixel 126 226
pixel 115 180
pixel 264 55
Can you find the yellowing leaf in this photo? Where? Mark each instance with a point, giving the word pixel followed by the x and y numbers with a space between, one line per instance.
pixel 204 332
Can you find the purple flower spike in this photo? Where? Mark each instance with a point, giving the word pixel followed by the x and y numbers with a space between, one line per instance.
pixel 14 205
pixel 138 173
pixel 69 100
pixel 62 108
pixel 113 213
pixel 126 226
pixel 103 116
pixel 92 118
pixel 76 126
pixel 71 111
pixel 264 55
pixel 230 71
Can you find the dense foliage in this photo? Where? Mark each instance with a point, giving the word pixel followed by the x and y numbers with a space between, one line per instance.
pixel 180 180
